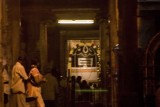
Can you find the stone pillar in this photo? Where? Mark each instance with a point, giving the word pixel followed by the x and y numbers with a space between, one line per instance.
pixel 105 60
pixel 14 28
pixel 3 41
pixel 129 95
pixel 43 44
pixel 113 25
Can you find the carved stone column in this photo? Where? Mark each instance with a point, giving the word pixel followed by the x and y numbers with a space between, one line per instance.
pixel 43 44
pixel 114 43
pixel 3 41
pixel 105 60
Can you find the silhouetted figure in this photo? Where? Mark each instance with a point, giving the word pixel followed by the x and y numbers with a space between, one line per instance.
pixel 72 89
pixel 62 97
pixel 78 87
pixel 85 94
pixel 79 80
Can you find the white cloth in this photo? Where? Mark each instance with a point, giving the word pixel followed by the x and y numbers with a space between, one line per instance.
pixel 35 91
pixel 17 85
pixel 18 75
pixel 18 100
pixel 6 86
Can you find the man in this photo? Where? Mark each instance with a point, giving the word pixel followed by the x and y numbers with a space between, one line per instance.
pixel 19 76
pixel 50 89
pixel 6 81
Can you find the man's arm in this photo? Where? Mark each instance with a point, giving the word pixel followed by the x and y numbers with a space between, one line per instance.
pixel 22 73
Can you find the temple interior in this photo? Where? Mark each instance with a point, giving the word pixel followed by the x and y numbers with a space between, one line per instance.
pixel 114 45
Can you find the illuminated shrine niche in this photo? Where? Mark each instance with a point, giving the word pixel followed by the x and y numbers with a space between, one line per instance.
pixel 84 58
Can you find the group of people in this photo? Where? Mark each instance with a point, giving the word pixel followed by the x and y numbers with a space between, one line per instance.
pixel 32 89
pixel 26 88
pixel 80 88
pixel 25 85
pixel 83 91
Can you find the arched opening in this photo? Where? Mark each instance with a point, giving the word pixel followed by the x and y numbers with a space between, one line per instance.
pixel 151 70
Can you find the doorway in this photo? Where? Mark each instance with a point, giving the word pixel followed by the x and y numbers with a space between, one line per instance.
pixel 83 61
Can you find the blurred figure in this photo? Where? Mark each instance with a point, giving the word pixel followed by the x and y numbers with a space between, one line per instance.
pixel 50 89
pixel 62 97
pixel 18 85
pixel 34 84
pixel 85 95
pixel 6 81
pixel 74 91
pixel 78 87
pixel 79 80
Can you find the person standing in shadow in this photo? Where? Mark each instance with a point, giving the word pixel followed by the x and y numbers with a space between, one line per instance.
pixel 6 82
pixel 50 89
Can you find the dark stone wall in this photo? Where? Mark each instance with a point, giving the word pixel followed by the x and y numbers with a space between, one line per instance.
pixel 54 46
pixel 129 90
